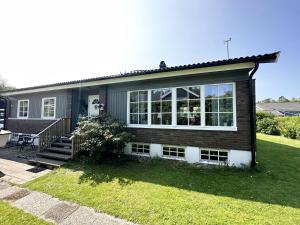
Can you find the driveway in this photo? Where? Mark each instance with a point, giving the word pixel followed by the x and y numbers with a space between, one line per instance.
pixel 14 167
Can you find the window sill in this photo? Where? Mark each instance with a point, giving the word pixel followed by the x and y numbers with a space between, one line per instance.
pixel 140 154
pixel 174 158
pixel 182 127
pixel 211 162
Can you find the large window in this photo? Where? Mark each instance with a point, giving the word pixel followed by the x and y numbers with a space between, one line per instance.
pixel 210 107
pixel 161 106
pixel 48 108
pixel 139 107
pixel 23 108
pixel 188 106
pixel 219 105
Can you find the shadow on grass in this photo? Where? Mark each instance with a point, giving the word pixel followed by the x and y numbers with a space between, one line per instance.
pixel 276 180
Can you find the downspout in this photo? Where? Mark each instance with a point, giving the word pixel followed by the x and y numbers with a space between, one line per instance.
pixel 252 115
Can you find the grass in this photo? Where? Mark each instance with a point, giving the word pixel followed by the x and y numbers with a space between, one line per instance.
pixel 164 192
pixel 11 216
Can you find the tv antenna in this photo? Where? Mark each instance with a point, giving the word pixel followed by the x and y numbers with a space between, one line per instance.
pixel 226 42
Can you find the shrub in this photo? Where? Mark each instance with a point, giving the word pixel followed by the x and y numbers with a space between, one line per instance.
pixel 102 136
pixel 267 126
pixel 289 126
pixel 261 115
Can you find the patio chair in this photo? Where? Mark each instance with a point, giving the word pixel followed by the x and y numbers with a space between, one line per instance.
pixel 26 140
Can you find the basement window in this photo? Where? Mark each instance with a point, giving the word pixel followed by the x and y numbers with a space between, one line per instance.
pixel 138 148
pixel 214 155
pixel 173 152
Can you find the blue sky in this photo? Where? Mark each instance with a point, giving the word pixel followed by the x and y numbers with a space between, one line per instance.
pixel 44 42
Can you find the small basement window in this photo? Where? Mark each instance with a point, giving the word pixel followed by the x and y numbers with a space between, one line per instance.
pixel 138 148
pixel 173 151
pixel 214 155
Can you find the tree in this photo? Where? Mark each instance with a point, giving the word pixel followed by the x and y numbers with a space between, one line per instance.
pixel 4 86
pixel 268 100
pixel 283 99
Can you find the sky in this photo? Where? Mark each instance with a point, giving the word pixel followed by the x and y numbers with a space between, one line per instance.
pixel 45 42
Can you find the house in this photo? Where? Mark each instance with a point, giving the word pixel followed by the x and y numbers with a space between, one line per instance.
pixel 199 113
pixel 280 108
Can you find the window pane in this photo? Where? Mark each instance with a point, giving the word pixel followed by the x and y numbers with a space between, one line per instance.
pixel 181 93
pixel 211 119
pixel 133 107
pixel 166 94
pixel 143 118
pixel 225 105
pixel 156 118
pixel 155 95
pixel 182 119
pixel 182 106
pixel 204 152
pixel 155 107
pixel 166 106
pixel 225 90
pixel 143 96
pixel 211 91
pixel 194 92
pixel 226 119
pixel 166 119
pixel 204 156
pixel 211 105
pixel 134 96
pixel 223 153
pixel 143 107
pixel 195 119
pixel 134 118
pixel 194 106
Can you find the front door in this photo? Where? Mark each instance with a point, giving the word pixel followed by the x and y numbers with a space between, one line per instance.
pixel 93 105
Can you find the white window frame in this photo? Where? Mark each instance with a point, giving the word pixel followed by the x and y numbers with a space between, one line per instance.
pixel 18 109
pixel 218 162
pixel 174 110
pixel 173 157
pixel 43 102
pixel 140 153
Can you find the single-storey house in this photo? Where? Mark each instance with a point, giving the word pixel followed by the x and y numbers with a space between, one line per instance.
pixel 198 113
pixel 280 108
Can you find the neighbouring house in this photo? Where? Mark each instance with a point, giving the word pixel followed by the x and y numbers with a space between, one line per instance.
pixel 280 108
pixel 199 113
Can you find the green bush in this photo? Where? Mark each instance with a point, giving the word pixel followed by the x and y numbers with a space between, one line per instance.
pixel 261 115
pixel 289 126
pixel 102 136
pixel 267 126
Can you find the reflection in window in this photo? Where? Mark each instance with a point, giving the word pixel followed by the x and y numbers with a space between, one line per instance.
pixel 188 106
pixel 138 107
pixel 219 105
pixel 161 106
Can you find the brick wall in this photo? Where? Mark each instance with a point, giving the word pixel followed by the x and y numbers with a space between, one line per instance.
pixel 238 140
pixel 27 126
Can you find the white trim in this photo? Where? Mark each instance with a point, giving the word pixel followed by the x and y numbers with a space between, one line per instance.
pixel 247 65
pixel 174 111
pixel 18 109
pixel 42 111
pixel 11 118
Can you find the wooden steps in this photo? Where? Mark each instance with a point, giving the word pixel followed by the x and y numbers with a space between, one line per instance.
pixel 49 163
pixel 56 155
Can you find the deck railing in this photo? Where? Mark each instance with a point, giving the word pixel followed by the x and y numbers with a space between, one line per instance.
pixel 76 142
pixel 53 132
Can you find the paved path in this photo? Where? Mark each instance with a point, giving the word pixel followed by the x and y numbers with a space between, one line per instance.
pixel 18 172
pixel 54 210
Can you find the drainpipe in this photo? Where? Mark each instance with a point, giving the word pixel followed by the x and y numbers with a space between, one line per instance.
pixel 252 115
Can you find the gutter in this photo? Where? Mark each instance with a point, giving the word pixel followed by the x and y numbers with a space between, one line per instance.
pixel 252 115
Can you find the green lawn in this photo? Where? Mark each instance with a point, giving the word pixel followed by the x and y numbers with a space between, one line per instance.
pixel 12 216
pixel 163 192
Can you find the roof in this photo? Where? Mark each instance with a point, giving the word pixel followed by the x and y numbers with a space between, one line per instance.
pixel 280 106
pixel 266 58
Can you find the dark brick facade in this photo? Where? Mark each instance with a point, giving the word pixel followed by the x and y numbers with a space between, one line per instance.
pixel 27 126
pixel 237 140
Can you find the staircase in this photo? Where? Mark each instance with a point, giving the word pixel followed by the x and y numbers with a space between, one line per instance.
pixel 56 155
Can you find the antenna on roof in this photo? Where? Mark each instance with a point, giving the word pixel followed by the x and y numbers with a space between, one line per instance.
pixel 226 42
